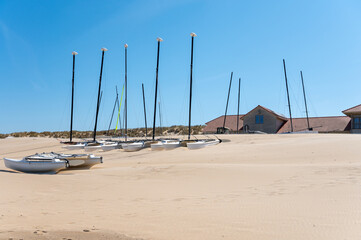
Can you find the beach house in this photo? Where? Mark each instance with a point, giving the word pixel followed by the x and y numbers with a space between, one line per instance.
pixel 262 119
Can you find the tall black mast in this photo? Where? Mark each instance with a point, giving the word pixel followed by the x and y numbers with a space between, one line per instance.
pixel 190 91
pixel 288 95
pixel 126 93
pixel 239 95
pixel 304 96
pixel 156 87
pixel 229 91
pixel 98 101
pixel 145 112
pixel 115 104
pixel 72 98
pixel 160 120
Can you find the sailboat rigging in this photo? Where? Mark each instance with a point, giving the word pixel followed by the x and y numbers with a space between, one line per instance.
pixel 99 93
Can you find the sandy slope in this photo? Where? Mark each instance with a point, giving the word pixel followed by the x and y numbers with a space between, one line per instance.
pixel 255 187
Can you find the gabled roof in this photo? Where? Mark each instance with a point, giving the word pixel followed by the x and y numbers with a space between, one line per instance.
pixel 279 116
pixel 353 110
pixel 320 124
pixel 231 123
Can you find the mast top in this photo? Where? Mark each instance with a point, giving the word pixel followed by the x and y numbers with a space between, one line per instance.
pixel 74 53
pixel 193 34
pixel 104 49
pixel 159 39
pixel 126 45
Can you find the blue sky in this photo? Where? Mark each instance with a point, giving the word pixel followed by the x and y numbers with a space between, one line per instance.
pixel 250 38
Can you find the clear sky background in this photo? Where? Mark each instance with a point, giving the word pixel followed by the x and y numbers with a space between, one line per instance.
pixel 250 38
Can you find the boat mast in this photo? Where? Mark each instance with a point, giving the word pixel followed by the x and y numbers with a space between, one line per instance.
pixel 115 104
pixel 239 94
pixel 145 112
pixel 156 87
pixel 160 120
pixel 288 96
pixel 72 98
pixel 126 94
pixel 190 91
pixel 304 96
pixel 225 114
pixel 98 101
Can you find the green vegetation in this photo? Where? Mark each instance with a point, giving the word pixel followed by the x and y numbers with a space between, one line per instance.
pixel 134 132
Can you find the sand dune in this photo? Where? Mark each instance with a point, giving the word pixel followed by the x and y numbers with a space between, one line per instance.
pixel 254 187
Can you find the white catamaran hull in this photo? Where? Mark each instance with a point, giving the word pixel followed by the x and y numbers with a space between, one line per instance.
pixel 132 147
pixel 108 147
pixel 74 146
pixel 75 160
pixel 196 145
pixel 157 146
pixel 92 148
pixel 213 142
pixel 171 145
pixel 30 166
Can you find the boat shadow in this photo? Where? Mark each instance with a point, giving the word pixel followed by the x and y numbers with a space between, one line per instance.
pixel 7 171
pixel 44 173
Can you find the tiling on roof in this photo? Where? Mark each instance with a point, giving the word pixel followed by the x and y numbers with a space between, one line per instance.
pixel 355 109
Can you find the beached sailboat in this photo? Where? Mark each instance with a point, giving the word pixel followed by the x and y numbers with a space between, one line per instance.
pixel 157 146
pixel 93 146
pixel 109 145
pixel 196 145
pixel 75 146
pixel 36 166
pixel 171 144
pixel 74 160
pixel 165 145
pixel 132 147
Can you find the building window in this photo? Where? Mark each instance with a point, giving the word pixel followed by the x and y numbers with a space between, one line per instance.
pixel 356 123
pixel 259 119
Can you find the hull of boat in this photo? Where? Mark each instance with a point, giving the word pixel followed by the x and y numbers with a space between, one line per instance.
pixel 109 147
pixel 88 162
pixel 171 145
pixel 35 166
pixel 196 145
pixel 74 147
pixel 132 147
pixel 213 142
pixel 157 146
pixel 92 148
pixel 75 160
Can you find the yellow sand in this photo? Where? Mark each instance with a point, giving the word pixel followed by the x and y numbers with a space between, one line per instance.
pixel 262 187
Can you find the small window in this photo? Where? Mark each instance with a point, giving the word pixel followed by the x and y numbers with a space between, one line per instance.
pixel 357 123
pixel 259 119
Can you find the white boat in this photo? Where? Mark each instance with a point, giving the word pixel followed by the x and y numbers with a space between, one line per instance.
pixel 110 146
pixel 74 146
pixel 196 145
pixel 90 147
pixel 36 166
pixel 158 146
pixel 171 144
pixel 213 142
pixel 74 160
pixel 132 147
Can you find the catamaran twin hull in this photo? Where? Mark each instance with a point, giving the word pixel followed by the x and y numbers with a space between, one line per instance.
pixel 35 166
pixel 74 160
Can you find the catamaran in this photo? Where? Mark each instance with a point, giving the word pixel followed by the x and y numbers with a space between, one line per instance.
pixel 36 166
pixel 132 147
pixel 74 160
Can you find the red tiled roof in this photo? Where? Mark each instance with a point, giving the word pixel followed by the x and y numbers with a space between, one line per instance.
pixel 353 110
pixel 279 116
pixel 231 123
pixel 320 124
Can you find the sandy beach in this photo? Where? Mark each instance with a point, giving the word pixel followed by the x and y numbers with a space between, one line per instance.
pixel 264 187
